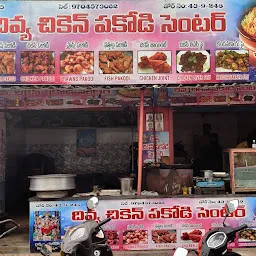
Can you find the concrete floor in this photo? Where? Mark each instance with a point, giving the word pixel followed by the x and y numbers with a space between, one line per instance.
pixel 17 243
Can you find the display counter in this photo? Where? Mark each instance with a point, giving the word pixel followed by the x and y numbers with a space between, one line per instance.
pixel 160 222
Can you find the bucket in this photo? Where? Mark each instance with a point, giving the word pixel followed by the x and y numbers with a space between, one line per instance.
pixel 126 186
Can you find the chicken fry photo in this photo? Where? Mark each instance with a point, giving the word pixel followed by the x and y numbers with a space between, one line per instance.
pixel 7 63
pixel 37 62
pixel 150 62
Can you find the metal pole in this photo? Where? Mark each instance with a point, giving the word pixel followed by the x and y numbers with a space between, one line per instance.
pixel 140 142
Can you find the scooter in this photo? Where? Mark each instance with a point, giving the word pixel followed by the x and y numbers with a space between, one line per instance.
pixel 86 239
pixel 215 241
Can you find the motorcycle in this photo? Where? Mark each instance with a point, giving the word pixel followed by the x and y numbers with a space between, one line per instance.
pixel 215 241
pixel 86 239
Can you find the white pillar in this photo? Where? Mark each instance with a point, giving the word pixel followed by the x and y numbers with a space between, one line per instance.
pixel 2 161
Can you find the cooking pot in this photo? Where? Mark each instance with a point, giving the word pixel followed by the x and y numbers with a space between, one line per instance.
pixel 52 182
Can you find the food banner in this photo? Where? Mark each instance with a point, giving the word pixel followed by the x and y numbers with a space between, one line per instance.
pixel 143 224
pixel 127 42
pixel 82 99
pixel 212 96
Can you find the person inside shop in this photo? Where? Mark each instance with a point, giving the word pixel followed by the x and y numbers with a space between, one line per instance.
pixel 215 153
pixel 208 152
pixel 248 142
pixel 201 143
pixel 246 159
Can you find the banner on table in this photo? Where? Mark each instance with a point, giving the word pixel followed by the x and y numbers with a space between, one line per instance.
pixel 126 42
pixel 143 224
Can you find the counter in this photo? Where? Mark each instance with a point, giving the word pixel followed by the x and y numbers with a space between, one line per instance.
pixel 152 217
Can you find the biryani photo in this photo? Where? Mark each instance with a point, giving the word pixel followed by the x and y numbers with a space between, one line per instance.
pixel 232 61
pixel 151 62
pixel 116 62
pixel 193 62
pixel 248 23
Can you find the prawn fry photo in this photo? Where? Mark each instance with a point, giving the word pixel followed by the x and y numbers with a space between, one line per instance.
pixel 76 63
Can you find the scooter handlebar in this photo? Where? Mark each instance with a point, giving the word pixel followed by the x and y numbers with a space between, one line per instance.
pixel 104 222
pixel 241 227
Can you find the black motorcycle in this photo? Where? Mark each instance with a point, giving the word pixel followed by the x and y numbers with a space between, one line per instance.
pixel 86 239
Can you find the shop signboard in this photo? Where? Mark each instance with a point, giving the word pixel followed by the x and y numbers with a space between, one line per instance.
pixel 143 224
pixel 85 99
pixel 127 42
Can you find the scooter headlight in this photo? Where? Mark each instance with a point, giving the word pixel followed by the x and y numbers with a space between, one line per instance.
pixel 216 240
pixel 77 233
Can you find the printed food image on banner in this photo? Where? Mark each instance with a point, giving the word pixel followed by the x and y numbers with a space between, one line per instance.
pixel 150 62
pixel 46 226
pixel 192 235
pixel 220 99
pixel 248 98
pixel 164 236
pixel 247 33
pixel 232 61
pixel 76 63
pixel 135 237
pixel 94 101
pixel 86 142
pixel 36 62
pixel 74 101
pixel 193 61
pixel 116 62
pixel 54 102
pixel 34 102
pixel 7 63
pixel 112 237
pixel 247 235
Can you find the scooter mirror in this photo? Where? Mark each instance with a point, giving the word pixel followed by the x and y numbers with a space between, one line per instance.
pixel 92 202
pixel 46 250
pixel 231 206
pixel 180 252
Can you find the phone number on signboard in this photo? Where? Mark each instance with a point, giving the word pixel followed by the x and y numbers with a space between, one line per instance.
pixel 87 6
pixel 194 6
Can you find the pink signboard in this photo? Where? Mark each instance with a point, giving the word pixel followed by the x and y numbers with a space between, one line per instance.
pixel 127 42
pixel 145 224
